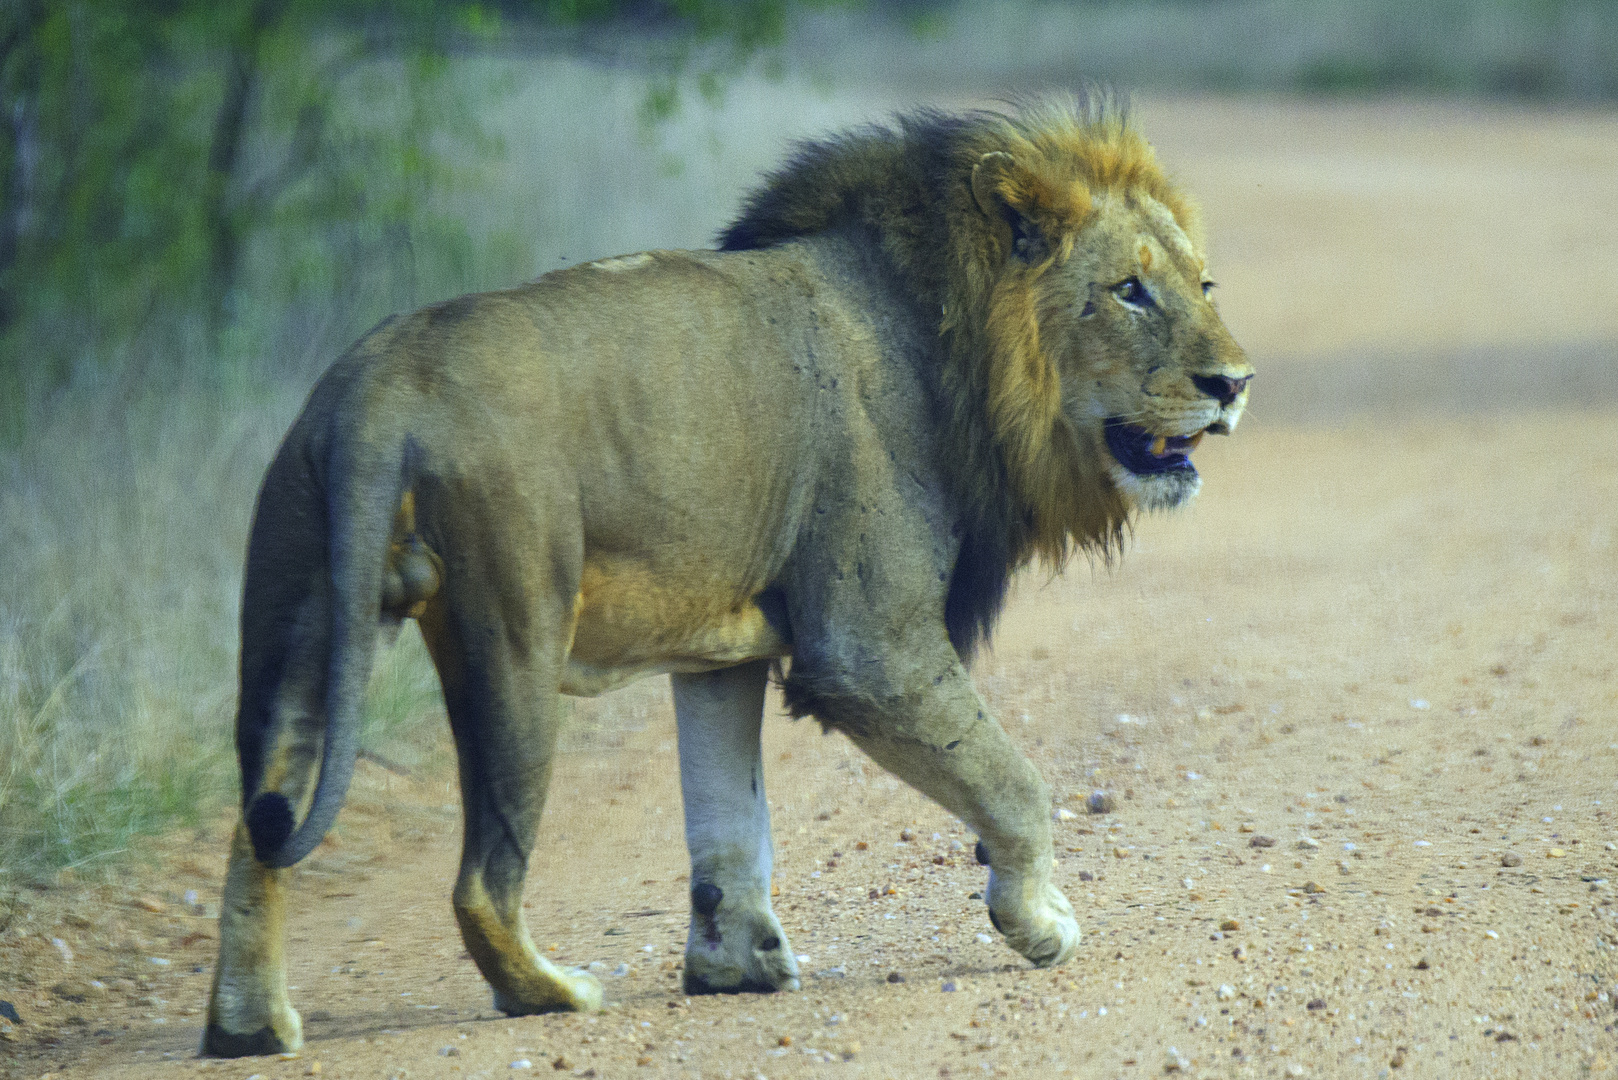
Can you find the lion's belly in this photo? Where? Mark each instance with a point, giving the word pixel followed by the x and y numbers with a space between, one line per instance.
pixel 629 624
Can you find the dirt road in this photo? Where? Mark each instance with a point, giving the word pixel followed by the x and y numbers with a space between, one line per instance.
pixel 1355 711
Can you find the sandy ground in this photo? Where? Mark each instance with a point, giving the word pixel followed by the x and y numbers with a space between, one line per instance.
pixel 1354 708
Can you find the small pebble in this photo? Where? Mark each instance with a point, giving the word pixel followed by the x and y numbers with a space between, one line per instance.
pixel 1261 841
pixel 907 835
pixel 77 990
pixel 1308 843
pixel 152 904
pixel 1100 802
pixel 522 1063
pixel 562 1062
pixel 1556 853
pixel 1312 887
pixel 1064 814
pixel 449 1051
pixel 948 988
pixel 1225 992
pixel 984 939
pixel 1119 853
pixel 1511 858
pixel 1228 925
pixel 895 977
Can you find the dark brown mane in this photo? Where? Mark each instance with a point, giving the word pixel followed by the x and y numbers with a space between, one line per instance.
pixel 1028 489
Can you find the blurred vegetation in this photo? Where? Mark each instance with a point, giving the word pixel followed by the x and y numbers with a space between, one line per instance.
pixel 1534 50
pixel 151 153
pixel 200 203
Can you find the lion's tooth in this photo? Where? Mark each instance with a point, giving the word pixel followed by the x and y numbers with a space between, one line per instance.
pixel 1195 439
pixel 1159 445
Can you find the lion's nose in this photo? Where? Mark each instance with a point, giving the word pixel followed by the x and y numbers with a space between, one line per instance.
pixel 1223 387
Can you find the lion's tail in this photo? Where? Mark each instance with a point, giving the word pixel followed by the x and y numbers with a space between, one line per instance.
pixel 366 477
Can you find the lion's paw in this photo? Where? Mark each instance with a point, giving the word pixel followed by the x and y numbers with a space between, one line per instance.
pixel 736 946
pixel 280 1033
pixel 560 990
pixel 1044 930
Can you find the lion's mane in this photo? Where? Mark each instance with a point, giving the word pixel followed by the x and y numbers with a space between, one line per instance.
pixel 1029 489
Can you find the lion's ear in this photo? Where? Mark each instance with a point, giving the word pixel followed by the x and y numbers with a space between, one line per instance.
pixel 1035 210
pixel 987 176
pixel 995 187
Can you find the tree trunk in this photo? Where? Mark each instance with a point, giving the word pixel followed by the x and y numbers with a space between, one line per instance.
pixel 222 213
pixel 19 113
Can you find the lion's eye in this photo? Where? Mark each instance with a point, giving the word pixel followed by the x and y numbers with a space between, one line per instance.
pixel 1132 293
pixel 1208 288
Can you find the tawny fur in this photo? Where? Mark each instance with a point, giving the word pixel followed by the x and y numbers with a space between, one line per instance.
pixel 1019 467
pixel 962 338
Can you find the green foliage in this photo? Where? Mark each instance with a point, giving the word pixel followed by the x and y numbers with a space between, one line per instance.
pixel 167 168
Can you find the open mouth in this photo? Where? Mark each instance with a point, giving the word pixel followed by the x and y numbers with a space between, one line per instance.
pixel 1146 454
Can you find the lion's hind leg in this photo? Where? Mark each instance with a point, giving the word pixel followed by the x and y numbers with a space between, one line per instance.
pixel 249 1012
pixel 736 943
pixel 504 709
pixel 281 726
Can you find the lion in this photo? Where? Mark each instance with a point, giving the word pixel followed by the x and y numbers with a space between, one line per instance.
pixel 923 356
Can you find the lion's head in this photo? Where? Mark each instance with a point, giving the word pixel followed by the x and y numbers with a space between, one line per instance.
pixel 1085 357
pixel 1088 296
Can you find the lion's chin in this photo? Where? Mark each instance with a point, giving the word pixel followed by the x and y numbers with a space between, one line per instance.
pixel 1157 491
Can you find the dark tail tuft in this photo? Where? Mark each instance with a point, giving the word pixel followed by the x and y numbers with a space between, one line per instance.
pixel 269 823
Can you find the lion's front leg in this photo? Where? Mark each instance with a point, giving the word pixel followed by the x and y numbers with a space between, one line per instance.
pixel 947 746
pixel 735 942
